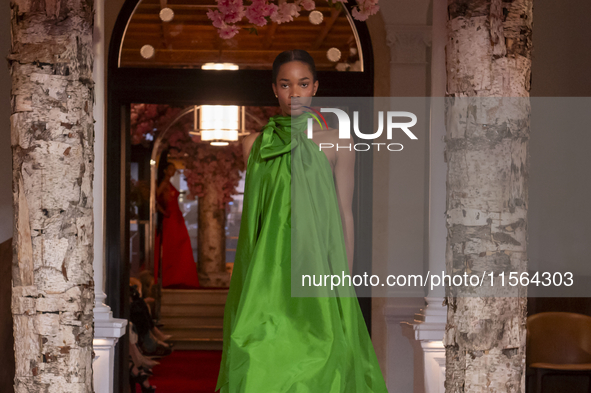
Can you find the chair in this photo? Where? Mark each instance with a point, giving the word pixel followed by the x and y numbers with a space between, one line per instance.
pixel 558 343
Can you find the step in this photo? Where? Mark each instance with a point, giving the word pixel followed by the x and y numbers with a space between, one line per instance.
pixel 180 321
pixel 194 296
pixel 194 317
pixel 198 344
pixel 187 310
pixel 181 333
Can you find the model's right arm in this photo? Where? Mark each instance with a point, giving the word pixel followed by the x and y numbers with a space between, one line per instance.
pixel 247 146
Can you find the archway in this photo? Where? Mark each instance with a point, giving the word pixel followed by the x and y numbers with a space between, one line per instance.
pixel 130 81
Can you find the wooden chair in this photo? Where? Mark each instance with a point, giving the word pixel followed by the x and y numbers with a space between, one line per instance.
pixel 558 343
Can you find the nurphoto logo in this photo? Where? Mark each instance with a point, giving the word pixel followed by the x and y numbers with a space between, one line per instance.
pixel 345 128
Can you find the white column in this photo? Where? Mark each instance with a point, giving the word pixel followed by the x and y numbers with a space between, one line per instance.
pixel 402 349
pixel 409 45
pixel 430 331
pixel 107 330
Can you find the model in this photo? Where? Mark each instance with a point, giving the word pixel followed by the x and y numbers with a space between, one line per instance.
pixel 273 342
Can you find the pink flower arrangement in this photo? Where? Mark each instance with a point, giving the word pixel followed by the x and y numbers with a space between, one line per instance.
pixel 364 9
pixel 228 12
pixel 213 167
pixel 146 119
pixel 285 13
pixel 260 12
pixel 308 5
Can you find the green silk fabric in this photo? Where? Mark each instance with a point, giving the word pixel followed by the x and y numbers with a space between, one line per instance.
pixel 273 342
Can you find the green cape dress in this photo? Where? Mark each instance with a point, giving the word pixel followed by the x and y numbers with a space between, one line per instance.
pixel 273 342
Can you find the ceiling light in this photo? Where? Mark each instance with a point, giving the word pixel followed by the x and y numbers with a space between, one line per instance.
pixel 219 66
pixel 147 51
pixel 218 124
pixel 166 14
pixel 333 54
pixel 316 17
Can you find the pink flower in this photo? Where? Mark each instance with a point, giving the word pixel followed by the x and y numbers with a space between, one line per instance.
pixel 217 18
pixel 151 110
pixel 233 10
pixel 229 11
pixel 364 9
pixel 359 15
pixel 228 31
pixel 285 13
pixel 258 10
pixel 308 5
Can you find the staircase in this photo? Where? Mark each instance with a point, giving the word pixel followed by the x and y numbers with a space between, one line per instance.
pixel 194 317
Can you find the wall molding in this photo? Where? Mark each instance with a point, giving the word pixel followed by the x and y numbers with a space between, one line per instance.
pixel 409 44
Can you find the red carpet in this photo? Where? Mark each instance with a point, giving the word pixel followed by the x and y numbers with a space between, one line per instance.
pixel 187 372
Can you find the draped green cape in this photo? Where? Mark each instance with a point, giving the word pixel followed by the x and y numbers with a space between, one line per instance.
pixel 273 342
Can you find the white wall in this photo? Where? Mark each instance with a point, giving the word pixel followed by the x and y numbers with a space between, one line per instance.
pixel 5 151
pixel 560 168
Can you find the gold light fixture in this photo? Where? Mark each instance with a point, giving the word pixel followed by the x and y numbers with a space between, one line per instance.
pixel 218 124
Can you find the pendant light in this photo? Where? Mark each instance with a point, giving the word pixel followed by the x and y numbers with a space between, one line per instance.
pixel 218 124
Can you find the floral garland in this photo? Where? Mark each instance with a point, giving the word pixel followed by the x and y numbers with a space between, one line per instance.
pixel 261 12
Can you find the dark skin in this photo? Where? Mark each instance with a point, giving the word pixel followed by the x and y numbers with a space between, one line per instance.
pixel 164 188
pixel 294 88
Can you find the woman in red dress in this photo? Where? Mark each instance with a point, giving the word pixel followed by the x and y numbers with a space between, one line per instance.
pixel 179 270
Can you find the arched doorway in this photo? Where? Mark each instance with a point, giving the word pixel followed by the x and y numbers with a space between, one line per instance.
pixel 174 76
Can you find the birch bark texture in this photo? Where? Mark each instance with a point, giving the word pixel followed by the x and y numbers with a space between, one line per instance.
pixel 52 138
pixel 488 57
pixel 211 235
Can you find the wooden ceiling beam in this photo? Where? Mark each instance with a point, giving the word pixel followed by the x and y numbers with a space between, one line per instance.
pixel 195 58
pixel 213 44
pixel 270 36
pixel 326 29
pixel 196 32
pixel 164 28
pixel 175 41
pixel 325 66
pixel 144 7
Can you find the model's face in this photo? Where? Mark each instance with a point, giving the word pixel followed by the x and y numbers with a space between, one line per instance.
pixel 294 87
pixel 170 170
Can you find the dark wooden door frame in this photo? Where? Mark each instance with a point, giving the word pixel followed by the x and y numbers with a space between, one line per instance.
pixel 193 87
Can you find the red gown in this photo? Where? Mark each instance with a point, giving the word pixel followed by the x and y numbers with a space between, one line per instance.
pixel 179 270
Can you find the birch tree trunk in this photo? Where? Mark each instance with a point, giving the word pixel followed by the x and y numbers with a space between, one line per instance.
pixel 52 136
pixel 211 234
pixel 488 55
